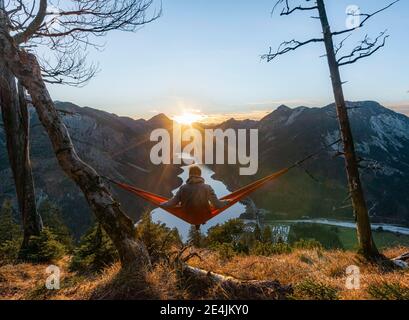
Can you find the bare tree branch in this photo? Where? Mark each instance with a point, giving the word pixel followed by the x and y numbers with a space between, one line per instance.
pixel 68 30
pixel 367 17
pixel 365 49
pixel 288 46
pixel 341 44
pixel 34 25
pixel 287 10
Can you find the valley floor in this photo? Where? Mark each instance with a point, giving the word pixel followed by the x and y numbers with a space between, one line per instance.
pixel 313 274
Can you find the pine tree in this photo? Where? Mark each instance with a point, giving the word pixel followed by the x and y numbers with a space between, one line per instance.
pixel 9 229
pixel 11 234
pixel 95 251
pixel 257 233
pixel 44 248
pixel 53 220
pixel 267 236
pixel 156 236
pixel 195 237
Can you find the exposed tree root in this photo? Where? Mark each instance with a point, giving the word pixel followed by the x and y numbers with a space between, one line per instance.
pixel 402 261
pixel 232 288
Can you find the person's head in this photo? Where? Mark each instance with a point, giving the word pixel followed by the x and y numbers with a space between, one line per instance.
pixel 195 171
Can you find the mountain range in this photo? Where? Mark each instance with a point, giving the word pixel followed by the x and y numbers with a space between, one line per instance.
pixel 319 188
pixel 119 147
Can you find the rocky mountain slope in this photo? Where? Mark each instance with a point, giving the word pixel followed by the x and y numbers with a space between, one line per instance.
pixel 287 135
pixel 116 147
pixel 119 147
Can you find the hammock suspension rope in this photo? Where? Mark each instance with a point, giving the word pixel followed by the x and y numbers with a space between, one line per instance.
pixel 199 218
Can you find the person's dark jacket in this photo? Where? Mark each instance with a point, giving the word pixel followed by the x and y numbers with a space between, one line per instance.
pixel 195 196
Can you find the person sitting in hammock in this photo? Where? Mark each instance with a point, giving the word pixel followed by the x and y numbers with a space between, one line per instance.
pixel 195 196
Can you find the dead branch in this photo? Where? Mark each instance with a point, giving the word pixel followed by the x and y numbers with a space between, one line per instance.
pixel 367 17
pixel 365 49
pixel 287 10
pixel 287 46
pixel 68 31
pixel 34 25
pixel 242 289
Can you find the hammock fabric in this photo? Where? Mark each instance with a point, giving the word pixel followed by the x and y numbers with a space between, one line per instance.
pixel 198 218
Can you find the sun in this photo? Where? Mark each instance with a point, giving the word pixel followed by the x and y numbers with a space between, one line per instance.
pixel 188 118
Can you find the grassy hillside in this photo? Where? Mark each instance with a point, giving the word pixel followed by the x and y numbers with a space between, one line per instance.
pixel 312 274
pixel 317 274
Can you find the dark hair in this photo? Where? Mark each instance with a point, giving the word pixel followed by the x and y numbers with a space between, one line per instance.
pixel 195 171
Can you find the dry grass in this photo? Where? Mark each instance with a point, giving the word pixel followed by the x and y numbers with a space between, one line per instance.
pixel 27 281
pixel 313 274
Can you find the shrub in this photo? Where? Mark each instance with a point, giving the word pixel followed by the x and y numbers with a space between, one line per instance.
pixel 53 220
pixel 267 235
pixel 9 229
pixel 9 251
pixel 229 232
pixel 157 238
pixel 257 233
pixel 314 290
pixel 44 248
pixel 388 291
pixel 195 237
pixel 95 252
pixel 10 234
pixel 226 251
pixel 266 249
pixel 308 244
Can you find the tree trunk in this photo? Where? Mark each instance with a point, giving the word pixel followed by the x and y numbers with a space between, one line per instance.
pixel 16 127
pixel 233 288
pixel 366 243
pixel 118 226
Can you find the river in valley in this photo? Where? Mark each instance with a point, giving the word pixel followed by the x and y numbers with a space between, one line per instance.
pixel 352 225
pixel 236 210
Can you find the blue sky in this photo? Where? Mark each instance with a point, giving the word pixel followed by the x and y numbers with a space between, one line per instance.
pixel 205 55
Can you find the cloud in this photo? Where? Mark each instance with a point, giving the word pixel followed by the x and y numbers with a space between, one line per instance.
pixel 221 117
pixel 291 102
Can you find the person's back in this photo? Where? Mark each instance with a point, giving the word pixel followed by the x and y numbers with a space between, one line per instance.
pixel 195 196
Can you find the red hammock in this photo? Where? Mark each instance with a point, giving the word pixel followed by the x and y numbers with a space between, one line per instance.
pixel 198 218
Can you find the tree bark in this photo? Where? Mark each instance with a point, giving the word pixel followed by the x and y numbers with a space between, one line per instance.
pixel 366 243
pixel 239 289
pixel 118 226
pixel 16 127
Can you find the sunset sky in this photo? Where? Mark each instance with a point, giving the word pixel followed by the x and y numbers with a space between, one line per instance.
pixel 203 56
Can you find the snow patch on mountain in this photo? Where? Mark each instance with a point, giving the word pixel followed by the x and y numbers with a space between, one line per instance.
pixel 330 138
pixel 363 147
pixel 389 171
pixel 389 130
pixel 294 116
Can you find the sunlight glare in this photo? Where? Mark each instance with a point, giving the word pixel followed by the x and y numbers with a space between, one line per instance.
pixel 188 118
